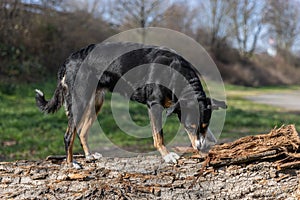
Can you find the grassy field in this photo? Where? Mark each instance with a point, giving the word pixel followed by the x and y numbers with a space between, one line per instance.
pixel 244 117
pixel 25 133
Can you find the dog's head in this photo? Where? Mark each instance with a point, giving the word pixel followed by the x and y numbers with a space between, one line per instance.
pixel 195 117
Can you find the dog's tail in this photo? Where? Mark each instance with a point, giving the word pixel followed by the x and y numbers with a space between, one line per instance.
pixel 53 104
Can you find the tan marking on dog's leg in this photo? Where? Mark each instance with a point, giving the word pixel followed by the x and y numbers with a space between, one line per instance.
pixel 159 144
pixel 84 135
pixel 89 120
pixel 193 139
pixel 70 148
pixel 157 135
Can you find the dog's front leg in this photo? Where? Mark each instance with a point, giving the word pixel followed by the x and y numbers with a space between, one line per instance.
pixel 155 115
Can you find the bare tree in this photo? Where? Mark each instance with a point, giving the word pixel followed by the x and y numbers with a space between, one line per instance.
pixel 247 17
pixel 283 18
pixel 11 23
pixel 136 13
pixel 35 35
pixel 180 17
pixel 93 7
pixel 215 16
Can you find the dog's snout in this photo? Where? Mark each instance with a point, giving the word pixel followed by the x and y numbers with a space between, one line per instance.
pixel 200 143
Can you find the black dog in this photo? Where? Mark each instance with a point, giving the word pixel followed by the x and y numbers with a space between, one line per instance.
pixel 188 101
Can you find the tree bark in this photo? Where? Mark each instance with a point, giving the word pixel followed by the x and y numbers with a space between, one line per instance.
pixel 148 177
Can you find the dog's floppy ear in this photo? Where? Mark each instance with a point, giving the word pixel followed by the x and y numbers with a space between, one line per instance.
pixel 217 104
pixel 172 108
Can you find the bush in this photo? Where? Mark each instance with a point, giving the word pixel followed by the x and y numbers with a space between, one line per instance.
pixel 37 46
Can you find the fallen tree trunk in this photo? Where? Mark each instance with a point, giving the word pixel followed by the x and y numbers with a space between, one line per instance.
pixel 260 167
pixel 280 145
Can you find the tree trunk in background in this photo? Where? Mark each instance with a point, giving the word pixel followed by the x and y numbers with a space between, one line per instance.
pixel 247 17
pixel 283 18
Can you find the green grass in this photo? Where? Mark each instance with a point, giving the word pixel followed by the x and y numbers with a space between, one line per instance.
pixel 244 117
pixel 25 133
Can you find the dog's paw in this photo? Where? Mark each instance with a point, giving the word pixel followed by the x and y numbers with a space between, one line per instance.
pixel 94 156
pixel 171 157
pixel 97 155
pixel 76 165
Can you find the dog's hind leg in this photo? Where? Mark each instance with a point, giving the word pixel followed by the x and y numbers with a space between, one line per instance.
pixel 69 141
pixel 155 114
pixel 88 121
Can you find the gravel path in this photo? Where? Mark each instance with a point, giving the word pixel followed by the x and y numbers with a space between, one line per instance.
pixel 289 101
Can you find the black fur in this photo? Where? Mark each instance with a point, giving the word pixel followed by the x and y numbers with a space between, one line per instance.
pixel 146 89
pixel 52 105
pixel 143 93
pixel 57 100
